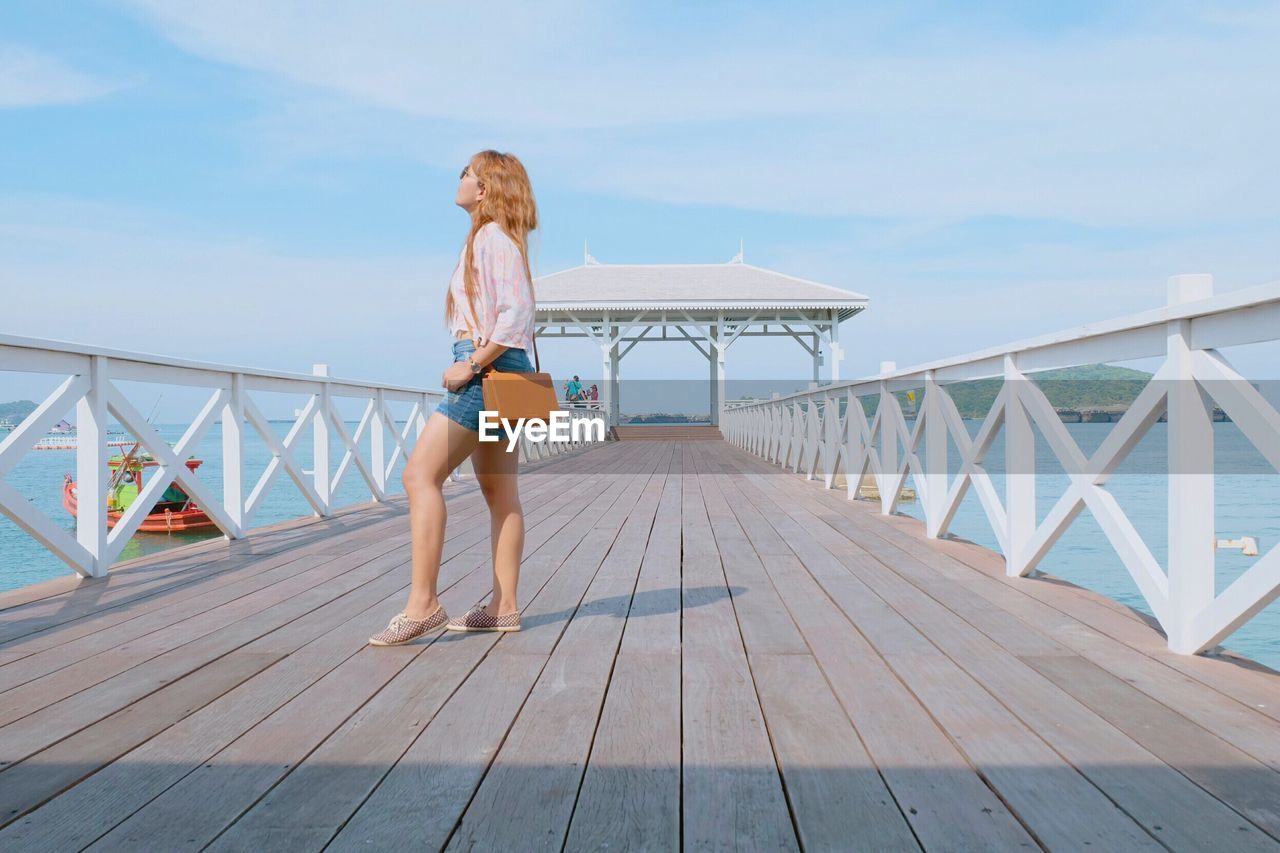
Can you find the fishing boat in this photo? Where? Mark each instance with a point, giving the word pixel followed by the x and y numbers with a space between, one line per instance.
pixel 175 510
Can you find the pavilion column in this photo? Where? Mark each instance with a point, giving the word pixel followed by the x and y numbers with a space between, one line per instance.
pixel 608 394
pixel 837 351
pixel 715 360
pixel 817 358
pixel 614 379
pixel 712 409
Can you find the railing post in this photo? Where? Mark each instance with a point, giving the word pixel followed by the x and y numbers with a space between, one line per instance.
pixel 1191 495
pixel 829 440
pixel 888 441
pixel 935 457
pixel 233 455
pixel 378 446
pixel 320 438
pixel 91 466
pixel 1019 471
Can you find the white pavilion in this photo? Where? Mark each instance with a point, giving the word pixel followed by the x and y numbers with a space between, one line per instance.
pixel 708 305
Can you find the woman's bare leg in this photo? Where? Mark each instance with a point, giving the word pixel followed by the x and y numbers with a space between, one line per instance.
pixel 497 474
pixel 441 448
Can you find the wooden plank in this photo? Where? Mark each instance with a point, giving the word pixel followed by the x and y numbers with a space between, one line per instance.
pixel 189 814
pixel 972 593
pixel 57 768
pixel 468 738
pixel 82 693
pixel 421 798
pixel 175 580
pixel 139 718
pixel 94 806
pixel 70 760
pixel 176 571
pixel 264 723
pixel 1245 784
pixel 156 618
pixel 1110 759
pixel 1239 678
pixel 630 794
pixel 275 606
pixel 126 571
pixel 630 797
pixel 99 803
pixel 106 611
pixel 155 614
pixel 312 803
pixel 553 732
pixel 948 805
pixel 544 622
pixel 1202 754
pixel 653 625
pixel 838 796
pixel 981 600
pixel 765 624
pixel 149 716
pixel 262 541
pixel 732 793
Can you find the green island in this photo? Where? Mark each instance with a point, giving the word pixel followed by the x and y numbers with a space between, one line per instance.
pixel 16 411
pixel 1090 387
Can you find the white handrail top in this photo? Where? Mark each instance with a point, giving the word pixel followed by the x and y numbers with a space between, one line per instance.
pixel 74 348
pixel 1248 297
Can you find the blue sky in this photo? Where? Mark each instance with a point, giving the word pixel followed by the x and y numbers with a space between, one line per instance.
pixel 280 175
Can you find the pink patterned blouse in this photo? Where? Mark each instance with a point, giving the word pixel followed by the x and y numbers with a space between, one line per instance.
pixel 504 300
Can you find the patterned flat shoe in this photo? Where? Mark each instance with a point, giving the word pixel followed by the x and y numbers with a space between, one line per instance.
pixel 478 619
pixel 403 630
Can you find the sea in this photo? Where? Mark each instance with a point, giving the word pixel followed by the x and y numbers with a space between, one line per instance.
pixel 1247 496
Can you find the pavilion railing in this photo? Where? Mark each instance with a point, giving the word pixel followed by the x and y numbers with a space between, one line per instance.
pixel 826 431
pixel 90 386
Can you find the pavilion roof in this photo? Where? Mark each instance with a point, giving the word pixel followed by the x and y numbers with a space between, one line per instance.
pixel 594 286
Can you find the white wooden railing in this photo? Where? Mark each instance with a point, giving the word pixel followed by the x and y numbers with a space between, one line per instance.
pixel 825 431
pixel 92 373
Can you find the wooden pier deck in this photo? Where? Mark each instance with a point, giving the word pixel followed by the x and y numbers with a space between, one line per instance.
pixel 717 654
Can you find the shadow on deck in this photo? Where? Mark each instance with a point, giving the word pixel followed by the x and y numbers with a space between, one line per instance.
pixel 715 654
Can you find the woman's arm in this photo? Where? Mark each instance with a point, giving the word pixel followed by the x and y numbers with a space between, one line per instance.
pixel 486 354
pixel 506 286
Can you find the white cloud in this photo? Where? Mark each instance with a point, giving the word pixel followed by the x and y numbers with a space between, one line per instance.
pixel 830 114
pixel 30 78
pixel 135 280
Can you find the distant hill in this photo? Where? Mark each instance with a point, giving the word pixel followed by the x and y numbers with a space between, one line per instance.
pixel 16 411
pixel 1091 386
pixel 1100 387
pixel 665 418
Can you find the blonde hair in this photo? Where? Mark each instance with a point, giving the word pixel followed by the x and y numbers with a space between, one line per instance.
pixel 508 201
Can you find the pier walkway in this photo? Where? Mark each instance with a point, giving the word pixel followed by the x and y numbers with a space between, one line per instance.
pixel 717 653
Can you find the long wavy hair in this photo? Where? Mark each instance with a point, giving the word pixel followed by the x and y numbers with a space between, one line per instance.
pixel 508 200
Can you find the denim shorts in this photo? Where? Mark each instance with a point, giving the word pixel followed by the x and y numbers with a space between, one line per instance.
pixel 463 406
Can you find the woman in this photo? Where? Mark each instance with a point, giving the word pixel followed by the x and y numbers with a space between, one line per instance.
pixel 489 309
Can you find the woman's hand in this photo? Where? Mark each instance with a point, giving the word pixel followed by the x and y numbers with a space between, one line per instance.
pixel 457 375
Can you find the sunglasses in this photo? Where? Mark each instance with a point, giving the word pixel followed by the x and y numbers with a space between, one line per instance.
pixel 466 170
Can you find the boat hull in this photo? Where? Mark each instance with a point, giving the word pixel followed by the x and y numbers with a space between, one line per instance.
pixel 166 521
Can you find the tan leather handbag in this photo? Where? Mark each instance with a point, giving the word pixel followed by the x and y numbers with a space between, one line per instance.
pixel 514 395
